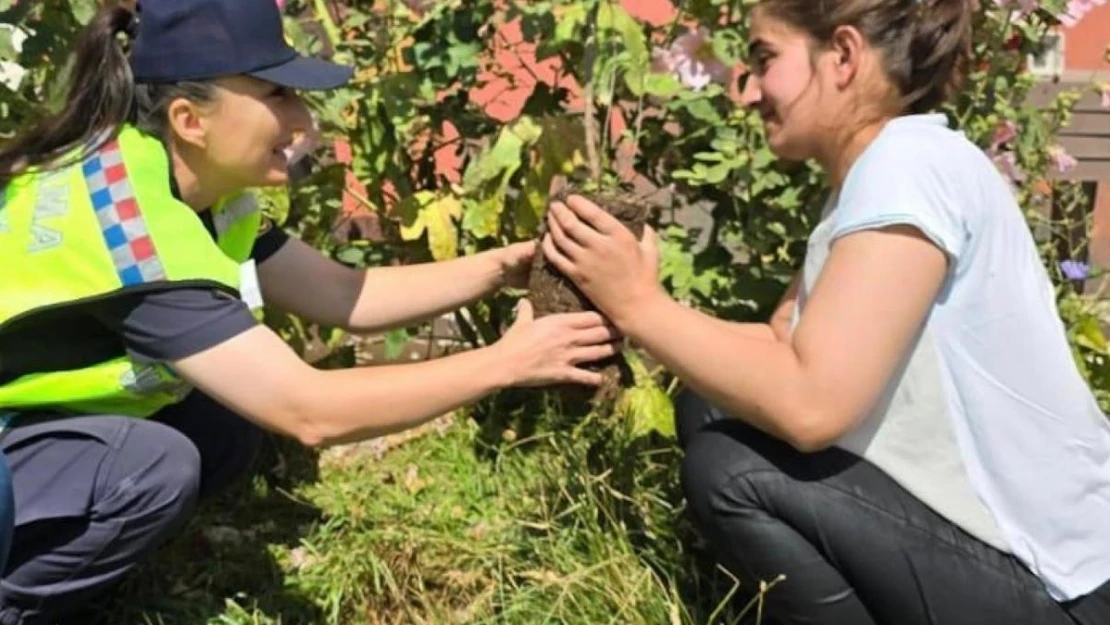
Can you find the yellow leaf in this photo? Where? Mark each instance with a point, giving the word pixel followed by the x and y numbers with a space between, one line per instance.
pixel 411 210
pixel 443 235
pixel 646 405
pixel 434 214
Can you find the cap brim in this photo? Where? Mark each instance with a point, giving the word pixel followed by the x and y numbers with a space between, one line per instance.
pixel 307 74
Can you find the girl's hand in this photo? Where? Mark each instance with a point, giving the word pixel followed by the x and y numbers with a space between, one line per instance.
pixel 618 273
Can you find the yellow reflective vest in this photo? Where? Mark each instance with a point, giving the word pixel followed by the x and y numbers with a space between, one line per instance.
pixel 104 226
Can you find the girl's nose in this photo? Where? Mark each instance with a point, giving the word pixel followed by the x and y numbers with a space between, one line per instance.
pixel 750 93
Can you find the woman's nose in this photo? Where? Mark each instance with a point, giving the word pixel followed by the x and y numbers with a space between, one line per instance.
pixel 298 115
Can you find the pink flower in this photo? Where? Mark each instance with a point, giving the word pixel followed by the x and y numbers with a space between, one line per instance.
pixel 280 4
pixel 692 60
pixel 1004 133
pixel 1061 160
pixel 1007 164
pixel 1076 10
pixel 1104 88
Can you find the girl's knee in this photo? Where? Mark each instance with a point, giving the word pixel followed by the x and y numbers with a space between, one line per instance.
pixel 719 471
pixel 692 413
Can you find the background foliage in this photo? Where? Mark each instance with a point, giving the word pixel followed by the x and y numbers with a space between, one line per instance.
pixel 519 513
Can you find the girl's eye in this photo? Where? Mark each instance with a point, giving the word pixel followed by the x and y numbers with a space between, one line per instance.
pixel 760 62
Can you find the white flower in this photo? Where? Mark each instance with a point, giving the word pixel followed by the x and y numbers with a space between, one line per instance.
pixel 12 73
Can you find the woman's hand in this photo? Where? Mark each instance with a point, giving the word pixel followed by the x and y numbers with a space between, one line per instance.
pixel 618 273
pixel 515 261
pixel 539 352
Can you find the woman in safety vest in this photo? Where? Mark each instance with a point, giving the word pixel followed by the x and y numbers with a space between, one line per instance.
pixel 134 261
pixel 908 439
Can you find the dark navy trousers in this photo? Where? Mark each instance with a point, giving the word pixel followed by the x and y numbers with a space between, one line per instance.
pixel 7 512
pixel 96 494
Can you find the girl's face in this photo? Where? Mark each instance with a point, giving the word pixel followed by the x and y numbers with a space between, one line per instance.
pixel 793 87
pixel 246 130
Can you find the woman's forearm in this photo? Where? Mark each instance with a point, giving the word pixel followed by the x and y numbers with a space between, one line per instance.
pixel 407 295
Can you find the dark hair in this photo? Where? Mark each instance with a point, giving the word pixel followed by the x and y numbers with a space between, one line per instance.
pixel 102 96
pixel 925 44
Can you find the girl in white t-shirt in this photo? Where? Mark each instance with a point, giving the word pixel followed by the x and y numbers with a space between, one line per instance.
pixel 908 439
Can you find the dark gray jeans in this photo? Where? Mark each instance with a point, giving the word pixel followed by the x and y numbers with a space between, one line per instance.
pixel 96 494
pixel 856 548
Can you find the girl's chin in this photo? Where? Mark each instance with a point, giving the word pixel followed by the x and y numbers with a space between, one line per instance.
pixel 276 178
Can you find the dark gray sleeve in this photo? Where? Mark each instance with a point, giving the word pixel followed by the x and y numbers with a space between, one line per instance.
pixel 268 243
pixel 174 324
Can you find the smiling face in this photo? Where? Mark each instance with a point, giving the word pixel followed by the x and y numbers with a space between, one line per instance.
pixel 792 86
pixel 233 135
pixel 248 127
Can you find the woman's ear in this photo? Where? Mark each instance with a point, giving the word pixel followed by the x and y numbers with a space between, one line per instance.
pixel 187 122
pixel 847 47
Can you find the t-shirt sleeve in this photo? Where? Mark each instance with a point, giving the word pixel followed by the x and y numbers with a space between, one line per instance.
pixel 174 324
pixel 903 184
pixel 268 243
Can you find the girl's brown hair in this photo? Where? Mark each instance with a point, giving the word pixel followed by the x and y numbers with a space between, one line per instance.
pixel 925 44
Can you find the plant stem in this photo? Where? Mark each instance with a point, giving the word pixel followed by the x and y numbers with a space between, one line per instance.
pixel 324 15
pixel 588 93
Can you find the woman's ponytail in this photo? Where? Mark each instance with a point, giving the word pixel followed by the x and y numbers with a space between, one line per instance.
pixel 99 100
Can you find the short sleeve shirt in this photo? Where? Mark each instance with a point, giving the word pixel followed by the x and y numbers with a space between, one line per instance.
pixel 988 419
pixel 162 326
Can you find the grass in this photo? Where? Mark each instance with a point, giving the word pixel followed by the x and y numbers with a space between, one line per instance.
pixel 488 517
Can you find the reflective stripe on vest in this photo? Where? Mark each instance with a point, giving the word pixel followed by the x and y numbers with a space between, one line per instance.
pixel 121 220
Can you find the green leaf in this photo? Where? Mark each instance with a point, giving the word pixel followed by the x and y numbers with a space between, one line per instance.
pixel 7 46
pixel 570 22
pixel 482 217
pixel 646 406
pixel 352 255
pixel 1089 334
pixel 505 155
pixel 395 341
pixel 662 85
pixel 83 10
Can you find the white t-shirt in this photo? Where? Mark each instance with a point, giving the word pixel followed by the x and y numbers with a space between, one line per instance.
pixel 988 420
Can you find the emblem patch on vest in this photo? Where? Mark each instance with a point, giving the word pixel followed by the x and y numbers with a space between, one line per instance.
pixel 51 202
pixel 151 379
pixel 120 217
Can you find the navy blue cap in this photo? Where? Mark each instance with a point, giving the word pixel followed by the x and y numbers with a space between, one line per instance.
pixel 197 39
